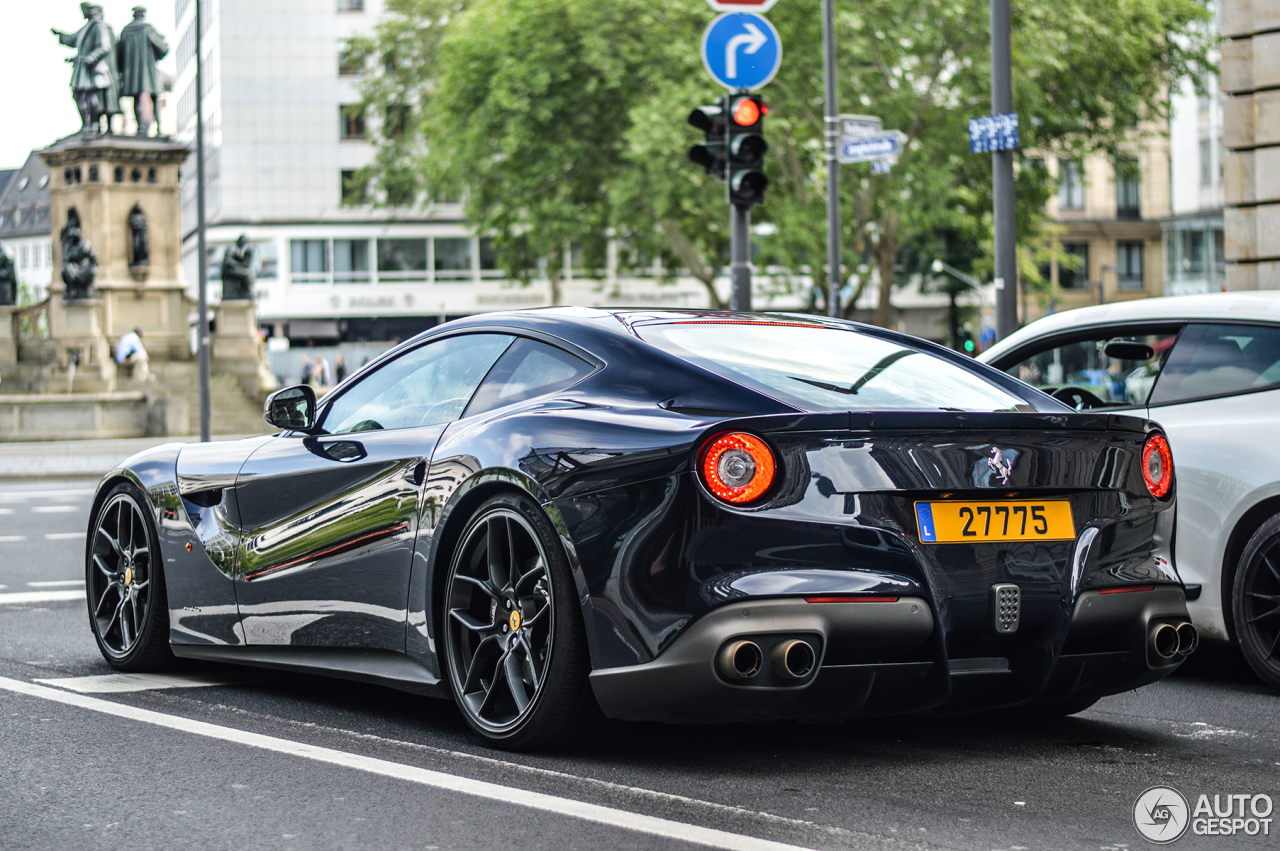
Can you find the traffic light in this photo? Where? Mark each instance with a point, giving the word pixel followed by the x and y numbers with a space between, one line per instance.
pixel 747 148
pixel 712 153
pixel 967 344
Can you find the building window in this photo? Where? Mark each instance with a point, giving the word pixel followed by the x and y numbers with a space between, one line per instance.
pixel 1076 278
pixel 348 65
pixel 1128 189
pixel 1070 185
pixel 350 5
pixel 402 259
pixel 1206 162
pixel 354 189
pixel 351 261
pixel 351 121
pixel 24 259
pixel 489 259
pixel 1129 265
pixel 309 261
pixel 452 258
pixel 397 119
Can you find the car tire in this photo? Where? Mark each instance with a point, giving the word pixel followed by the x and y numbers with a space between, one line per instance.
pixel 124 584
pixel 514 642
pixel 1255 602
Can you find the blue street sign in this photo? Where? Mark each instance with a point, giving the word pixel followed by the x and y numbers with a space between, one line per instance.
pixel 993 133
pixel 741 50
pixel 877 147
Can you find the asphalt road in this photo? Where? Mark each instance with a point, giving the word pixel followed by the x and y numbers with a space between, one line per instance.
pixel 242 759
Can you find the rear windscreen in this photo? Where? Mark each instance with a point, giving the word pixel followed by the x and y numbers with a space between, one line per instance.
pixel 817 368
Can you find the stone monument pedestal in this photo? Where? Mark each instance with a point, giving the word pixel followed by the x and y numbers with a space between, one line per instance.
pixel 236 347
pixel 8 336
pixel 82 345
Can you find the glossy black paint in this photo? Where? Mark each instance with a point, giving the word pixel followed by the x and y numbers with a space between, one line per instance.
pixel 309 546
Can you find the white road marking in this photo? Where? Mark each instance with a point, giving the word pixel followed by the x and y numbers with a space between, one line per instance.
pixel 14 597
pixel 12 539
pixel 63 536
pixel 119 683
pixel 609 816
pixel 54 509
pixel 6 510
pixel 23 496
pixel 54 583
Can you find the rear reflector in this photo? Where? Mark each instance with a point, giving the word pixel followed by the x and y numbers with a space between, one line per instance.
pixel 845 598
pixel 1127 589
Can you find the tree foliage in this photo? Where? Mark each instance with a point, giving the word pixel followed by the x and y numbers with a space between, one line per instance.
pixel 561 121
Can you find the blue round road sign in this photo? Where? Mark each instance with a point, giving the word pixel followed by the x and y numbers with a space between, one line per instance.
pixel 741 50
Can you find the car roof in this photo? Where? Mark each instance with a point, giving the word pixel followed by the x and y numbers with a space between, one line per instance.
pixel 1259 305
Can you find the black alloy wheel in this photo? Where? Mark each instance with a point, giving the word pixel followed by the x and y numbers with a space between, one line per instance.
pixel 128 611
pixel 514 640
pixel 1256 602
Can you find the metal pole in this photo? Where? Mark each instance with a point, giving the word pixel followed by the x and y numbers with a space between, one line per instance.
pixel 202 321
pixel 835 276
pixel 1006 232
pixel 740 257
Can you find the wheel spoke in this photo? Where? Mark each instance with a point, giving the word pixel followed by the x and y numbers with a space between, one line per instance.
pixel 531 659
pixel 102 566
pixel 1274 644
pixel 491 698
pixel 515 681
pixel 468 620
pixel 479 660
pixel 115 616
pixel 120 521
pixel 499 573
pixel 1274 610
pixel 527 604
pixel 115 544
pixel 1271 566
pixel 538 569
pixel 482 584
pixel 97 612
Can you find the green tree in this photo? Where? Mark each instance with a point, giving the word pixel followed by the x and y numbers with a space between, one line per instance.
pixel 563 120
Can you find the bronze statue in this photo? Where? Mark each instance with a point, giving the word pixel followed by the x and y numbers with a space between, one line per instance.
pixel 93 70
pixel 136 54
pixel 139 244
pixel 8 279
pixel 79 262
pixel 237 271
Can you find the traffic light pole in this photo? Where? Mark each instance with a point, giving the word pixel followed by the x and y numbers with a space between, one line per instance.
pixel 1006 232
pixel 740 257
pixel 835 276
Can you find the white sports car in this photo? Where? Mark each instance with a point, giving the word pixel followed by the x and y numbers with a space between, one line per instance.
pixel 1207 368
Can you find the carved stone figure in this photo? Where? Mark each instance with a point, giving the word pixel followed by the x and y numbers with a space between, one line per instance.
pixel 8 279
pixel 79 262
pixel 139 243
pixel 93 70
pixel 136 55
pixel 237 271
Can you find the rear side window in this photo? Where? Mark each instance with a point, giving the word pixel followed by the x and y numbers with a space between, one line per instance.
pixel 818 368
pixel 528 369
pixel 1217 360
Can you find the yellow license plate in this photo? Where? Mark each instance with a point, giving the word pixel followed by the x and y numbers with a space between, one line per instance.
pixel 947 522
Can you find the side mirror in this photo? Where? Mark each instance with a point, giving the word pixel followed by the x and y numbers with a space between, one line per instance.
pixel 292 408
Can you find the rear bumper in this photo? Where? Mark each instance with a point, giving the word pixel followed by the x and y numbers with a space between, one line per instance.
pixel 881 658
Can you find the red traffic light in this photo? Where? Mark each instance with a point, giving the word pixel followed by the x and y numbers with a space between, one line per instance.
pixel 748 111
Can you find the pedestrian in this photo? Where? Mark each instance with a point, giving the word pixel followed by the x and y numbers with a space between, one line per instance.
pixel 340 369
pixel 324 376
pixel 307 372
pixel 131 353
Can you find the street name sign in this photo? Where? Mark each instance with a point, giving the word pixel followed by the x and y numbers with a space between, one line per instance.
pixel 875 147
pixel 759 6
pixel 741 50
pixel 993 133
pixel 855 126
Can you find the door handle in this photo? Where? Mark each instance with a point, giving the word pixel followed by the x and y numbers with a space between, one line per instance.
pixel 418 473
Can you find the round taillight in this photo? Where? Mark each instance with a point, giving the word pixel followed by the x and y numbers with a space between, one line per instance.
pixel 737 467
pixel 1157 465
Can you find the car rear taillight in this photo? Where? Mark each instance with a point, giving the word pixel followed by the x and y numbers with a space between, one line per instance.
pixel 737 467
pixel 1157 465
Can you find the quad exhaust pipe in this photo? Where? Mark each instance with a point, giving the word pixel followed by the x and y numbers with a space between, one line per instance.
pixel 740 660
pixel 1168 640
pixel 793 659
